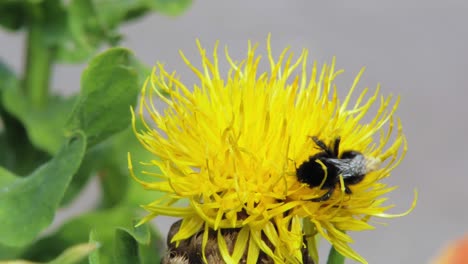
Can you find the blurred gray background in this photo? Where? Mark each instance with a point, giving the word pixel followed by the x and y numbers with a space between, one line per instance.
pixel 417 49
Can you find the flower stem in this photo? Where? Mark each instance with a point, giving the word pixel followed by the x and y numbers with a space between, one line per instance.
pixel 38 59
pixel 334 257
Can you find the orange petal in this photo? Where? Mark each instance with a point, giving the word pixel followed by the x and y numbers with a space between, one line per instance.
pixel 455 253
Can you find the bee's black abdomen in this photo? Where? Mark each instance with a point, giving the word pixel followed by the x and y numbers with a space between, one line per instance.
pixel 312 173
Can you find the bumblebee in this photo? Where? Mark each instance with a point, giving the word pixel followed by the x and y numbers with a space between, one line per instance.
pixel 350 164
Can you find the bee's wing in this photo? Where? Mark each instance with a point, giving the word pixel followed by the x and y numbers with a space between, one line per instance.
pixel 350 167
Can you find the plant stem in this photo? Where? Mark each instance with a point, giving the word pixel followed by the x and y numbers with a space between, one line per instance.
pixel 334 257
pixel 38 59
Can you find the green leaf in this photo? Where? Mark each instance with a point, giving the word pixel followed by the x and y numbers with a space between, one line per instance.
pixel 7 77
pixel 94 257
pixel 101 223
pixel 171 7
pixel 101 227
pixel 55 22
pixel 126 248
pixel 89 165
pixel 75 254
pixel 72 255
pixel 151 250
pixel 141 233
pixel 109 85
pixel 45 127
pixel 17 154
pixel 16 151
pixel 6 177
pixel 92 23
pixel 85 32
pixel 113 12
pixel 334 257
pixel 8 80
pixel 7 253
pixel 38 196
pixel 109 160
pixel 136 245
pixel 116 183
pixel 12 14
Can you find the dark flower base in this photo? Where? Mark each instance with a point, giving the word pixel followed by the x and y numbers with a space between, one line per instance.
pixel 190 250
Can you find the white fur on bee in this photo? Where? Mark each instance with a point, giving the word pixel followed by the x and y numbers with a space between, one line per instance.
pixel 358 165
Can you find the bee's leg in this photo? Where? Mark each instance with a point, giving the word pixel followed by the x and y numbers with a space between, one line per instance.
pixel 324 197
pixel 323 146
pixel 293 162
pixel 347 190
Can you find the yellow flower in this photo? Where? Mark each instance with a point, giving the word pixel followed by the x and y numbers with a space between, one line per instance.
pixel 230 147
